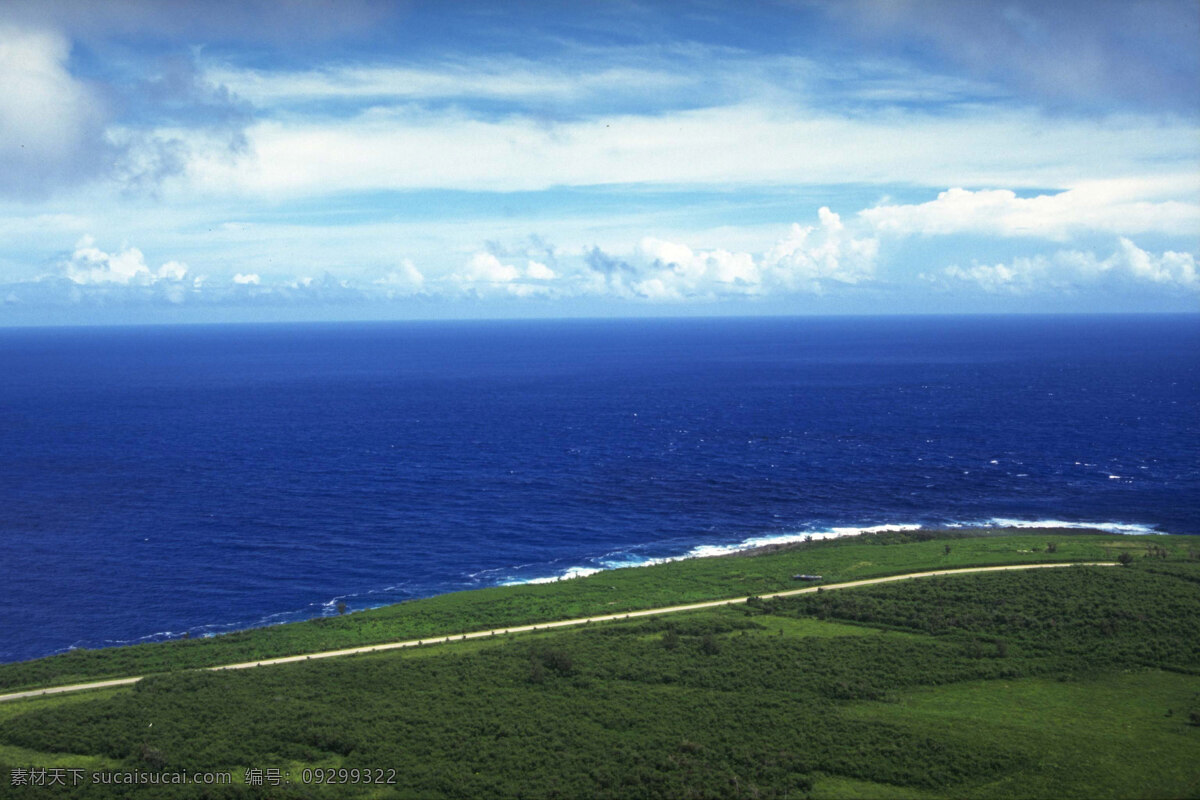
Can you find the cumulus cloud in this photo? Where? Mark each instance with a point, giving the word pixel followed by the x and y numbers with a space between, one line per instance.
pixel 404 280
pixel 170 116
pixel 485 273
pixel 486 268
pixel 539 271
pixel 94 277
pixel 51 124
pixel 1070 270
pixel 1098 206
pixel 809 259
pixel 57 130
pixel 89 264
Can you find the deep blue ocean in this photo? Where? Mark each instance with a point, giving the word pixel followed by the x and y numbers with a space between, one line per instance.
pixel 162 480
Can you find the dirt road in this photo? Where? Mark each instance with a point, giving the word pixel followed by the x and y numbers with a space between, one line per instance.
pixel 541 626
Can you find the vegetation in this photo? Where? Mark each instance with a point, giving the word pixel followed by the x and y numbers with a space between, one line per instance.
pixel 694 580
pixel 1079 682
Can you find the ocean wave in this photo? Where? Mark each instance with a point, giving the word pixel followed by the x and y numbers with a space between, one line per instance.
pixel 1125 528
pixel 534 573
pixel 624 558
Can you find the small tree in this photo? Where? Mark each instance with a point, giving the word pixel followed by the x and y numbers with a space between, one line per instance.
pixel 1125 559
pixel 670 639
pixel 341 608
pixel 1051 547
pixel 947 550
pixel 152 757
pixel 709 645
pixel 558 660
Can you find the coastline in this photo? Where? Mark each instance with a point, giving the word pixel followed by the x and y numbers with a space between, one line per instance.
pixel 765 543
pixel 618 560
pixel 848 664
pixel 767 570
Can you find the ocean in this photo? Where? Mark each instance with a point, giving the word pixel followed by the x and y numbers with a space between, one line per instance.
pixel 157 481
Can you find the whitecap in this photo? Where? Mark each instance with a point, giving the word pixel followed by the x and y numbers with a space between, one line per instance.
pixel 623 559
pixel 1128 528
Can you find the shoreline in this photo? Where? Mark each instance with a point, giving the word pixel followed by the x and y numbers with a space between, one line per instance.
pixel 779 542
pixel 620 591
pixel 552 625
pixel 746 548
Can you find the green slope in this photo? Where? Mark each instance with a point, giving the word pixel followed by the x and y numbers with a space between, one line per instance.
pixel 1081 682
pixel 607 592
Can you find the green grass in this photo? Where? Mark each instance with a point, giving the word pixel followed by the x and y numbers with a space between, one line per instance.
pixel 1123 734
pixel 607 592
pixel 895 690
pixel 21 756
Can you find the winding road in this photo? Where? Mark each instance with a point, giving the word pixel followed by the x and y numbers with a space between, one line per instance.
pixel 541 626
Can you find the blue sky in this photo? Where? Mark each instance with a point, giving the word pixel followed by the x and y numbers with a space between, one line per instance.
pixel 218 161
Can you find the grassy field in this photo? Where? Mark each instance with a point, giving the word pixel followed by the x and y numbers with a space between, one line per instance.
pixel 608 592
pixel 1080 682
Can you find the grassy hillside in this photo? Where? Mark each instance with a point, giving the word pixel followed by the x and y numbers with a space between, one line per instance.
pixel 605 593
pixel 1080 682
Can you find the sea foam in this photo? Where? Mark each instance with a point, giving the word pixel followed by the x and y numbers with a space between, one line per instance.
pixel 624 559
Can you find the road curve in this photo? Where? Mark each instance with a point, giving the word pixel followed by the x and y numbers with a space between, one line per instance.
pixel 541 626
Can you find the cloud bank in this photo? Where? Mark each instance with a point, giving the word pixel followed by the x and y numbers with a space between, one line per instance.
pixel 1093 207
pixel 575 159
pixel 1067 271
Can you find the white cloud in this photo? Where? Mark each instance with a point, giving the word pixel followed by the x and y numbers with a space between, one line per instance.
pixel 539 271
pixel 1097 206
pixel 486 274
pixel 405 279
pixel 250 279
pixel 809 259
pixel 1070 270
pixel 90 265
pixel 405 148
pixel 50 123
pixel 491 78
pixel 486 268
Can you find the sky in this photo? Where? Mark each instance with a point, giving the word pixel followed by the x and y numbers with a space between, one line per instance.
pixel 256 160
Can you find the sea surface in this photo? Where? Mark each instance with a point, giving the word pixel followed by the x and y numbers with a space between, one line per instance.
pixel 158 481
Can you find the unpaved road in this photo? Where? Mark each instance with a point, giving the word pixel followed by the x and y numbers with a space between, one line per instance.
pixel 541 626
